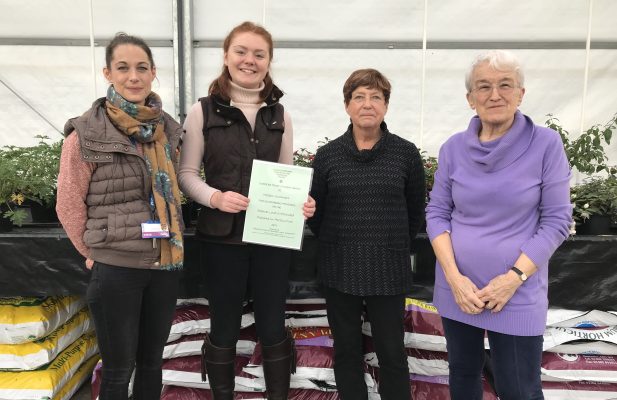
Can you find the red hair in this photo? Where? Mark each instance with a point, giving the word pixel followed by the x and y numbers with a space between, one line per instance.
pixel 220 86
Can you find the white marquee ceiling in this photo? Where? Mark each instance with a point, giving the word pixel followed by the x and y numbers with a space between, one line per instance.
pixel 57 81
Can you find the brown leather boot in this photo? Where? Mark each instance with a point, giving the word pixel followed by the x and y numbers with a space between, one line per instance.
pixel 219 364
pixel 279 361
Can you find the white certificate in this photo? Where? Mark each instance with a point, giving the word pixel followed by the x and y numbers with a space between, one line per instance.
pixel 277 194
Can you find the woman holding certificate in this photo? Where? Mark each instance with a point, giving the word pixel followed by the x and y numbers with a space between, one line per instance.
pixel 370 190
pixel 241 120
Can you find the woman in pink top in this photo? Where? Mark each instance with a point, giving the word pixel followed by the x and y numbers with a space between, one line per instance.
pixel 119 203
pixel 240 120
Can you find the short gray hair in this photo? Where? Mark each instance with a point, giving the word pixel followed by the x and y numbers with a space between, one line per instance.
pixel 501 60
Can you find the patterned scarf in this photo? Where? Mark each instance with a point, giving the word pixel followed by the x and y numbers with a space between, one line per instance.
pixel 145 125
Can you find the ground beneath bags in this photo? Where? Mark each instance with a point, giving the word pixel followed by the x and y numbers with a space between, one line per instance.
pixel 84 392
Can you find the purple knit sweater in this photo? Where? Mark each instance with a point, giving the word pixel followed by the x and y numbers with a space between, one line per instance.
pixel 499 199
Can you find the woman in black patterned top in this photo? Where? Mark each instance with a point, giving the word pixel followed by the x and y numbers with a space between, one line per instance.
pixel 369 186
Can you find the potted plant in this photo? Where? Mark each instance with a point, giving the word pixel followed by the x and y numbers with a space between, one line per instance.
pixel 10 197
pixel 304 157
pixel 28 175
pixel 586 152
pixel 595 205
pixel 594 200
pixel 430 167
pixel 11 194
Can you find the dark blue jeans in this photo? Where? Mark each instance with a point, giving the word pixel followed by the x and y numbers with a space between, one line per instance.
pixel 132 311
pixel 386 314
pixel 515 361
pixel 231 270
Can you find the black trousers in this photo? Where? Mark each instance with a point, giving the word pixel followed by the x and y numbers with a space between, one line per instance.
pixel 132 311
pixel 229 271
pixel 386 314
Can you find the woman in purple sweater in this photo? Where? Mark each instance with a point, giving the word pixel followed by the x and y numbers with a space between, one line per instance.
pixel 499 208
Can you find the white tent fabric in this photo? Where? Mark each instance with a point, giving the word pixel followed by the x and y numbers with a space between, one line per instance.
pixel 40 83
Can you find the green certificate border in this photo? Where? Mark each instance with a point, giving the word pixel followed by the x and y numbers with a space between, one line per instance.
pixel 277 193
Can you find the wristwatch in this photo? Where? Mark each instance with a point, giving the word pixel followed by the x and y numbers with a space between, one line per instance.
pixel 521 275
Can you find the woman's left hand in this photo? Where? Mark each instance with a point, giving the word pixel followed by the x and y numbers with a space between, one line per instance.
pixel 499 291
pixel 309 208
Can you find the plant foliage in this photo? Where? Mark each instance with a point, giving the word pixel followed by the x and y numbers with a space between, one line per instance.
pixel 28 173
pixel 595 196
pixel 586 152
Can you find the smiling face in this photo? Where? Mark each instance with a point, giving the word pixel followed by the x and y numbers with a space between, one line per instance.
pixel 495 95
pixel 367 108
pixel 131 73
pixel 248 59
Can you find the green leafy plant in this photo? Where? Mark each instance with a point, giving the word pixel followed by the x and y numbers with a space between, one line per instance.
pixel 430 167
pixel 10 196
pixel 304 157
pixel 595 196
pixel 28 173
pixel 586 152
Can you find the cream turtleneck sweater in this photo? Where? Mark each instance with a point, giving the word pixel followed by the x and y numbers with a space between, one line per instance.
pixel 193 146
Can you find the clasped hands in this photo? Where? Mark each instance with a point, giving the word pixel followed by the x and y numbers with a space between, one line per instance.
pixel 233 202
pixel 494 296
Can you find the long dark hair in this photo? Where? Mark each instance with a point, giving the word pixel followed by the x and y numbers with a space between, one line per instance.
pixel 220 86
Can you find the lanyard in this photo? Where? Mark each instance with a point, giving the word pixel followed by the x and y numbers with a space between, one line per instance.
pixel 152 205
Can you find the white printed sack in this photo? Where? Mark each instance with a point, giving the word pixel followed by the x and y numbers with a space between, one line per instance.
pixel 579 367
pixel 46 383
pixel 314 365
pixel 578 340
pixel 26 319
pixel 420 362
pixel 193 319
pixel 300 315
pixel 80 375
pixel 580 319
pixel 423 327
pixel 190 345
pixel 186 372
pixel 186 393
pixel 424 330
pixel 196 300
pixel 582 390
pixel 29 356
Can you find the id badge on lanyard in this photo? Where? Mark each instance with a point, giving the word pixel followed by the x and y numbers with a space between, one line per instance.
pixel 153 229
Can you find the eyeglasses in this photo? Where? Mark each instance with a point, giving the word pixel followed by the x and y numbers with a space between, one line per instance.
pixel 503 88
